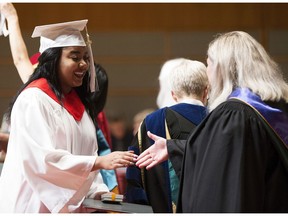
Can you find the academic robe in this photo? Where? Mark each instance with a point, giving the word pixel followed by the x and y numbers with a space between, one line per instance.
pixel 231 165
pixel 50 155
pixel 153 187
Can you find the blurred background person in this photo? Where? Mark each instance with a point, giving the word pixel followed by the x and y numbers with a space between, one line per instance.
pixel 4 137
pixel 164 97
pixel 102 128
pixel 100 99
pixel 139 117
pixel 121 132
pixel 17 45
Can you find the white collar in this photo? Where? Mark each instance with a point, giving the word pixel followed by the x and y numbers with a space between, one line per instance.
pixel 191 101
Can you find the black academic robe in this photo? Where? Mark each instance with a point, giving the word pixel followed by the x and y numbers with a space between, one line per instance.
pixel 231 165
pixel 153 187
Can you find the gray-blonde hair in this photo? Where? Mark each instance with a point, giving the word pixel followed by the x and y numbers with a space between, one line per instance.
pixel 164 97
pixel 189 78
pixel 240 61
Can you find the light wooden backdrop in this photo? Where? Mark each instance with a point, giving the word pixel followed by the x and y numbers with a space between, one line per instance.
pixel 133 40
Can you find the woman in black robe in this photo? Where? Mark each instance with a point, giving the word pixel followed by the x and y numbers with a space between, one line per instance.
pixel 237 158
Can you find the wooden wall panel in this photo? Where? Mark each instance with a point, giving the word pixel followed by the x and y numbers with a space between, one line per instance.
pixel 133 40
pixel 278 42
pixel 135 44
pixel 157 16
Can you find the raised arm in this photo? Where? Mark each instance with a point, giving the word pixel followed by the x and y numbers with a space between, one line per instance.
pixel 17 44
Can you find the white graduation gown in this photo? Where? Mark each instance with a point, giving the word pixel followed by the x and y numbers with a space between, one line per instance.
pixel 49 158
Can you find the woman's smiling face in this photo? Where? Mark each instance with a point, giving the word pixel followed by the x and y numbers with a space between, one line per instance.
pixel 74 63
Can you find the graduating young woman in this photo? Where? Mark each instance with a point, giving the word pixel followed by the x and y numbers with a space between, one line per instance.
pixel 52 162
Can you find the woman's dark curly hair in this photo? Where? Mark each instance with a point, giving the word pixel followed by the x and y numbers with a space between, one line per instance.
pixel 48 69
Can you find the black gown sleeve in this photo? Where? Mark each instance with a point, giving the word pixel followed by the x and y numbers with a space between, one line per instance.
pixel 230 165
pixel 179 129
pixel 175 151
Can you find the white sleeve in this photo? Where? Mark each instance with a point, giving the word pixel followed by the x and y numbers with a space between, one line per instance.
pixel 98 187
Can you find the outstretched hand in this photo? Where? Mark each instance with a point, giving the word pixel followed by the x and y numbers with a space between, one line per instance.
pixel 155 154
pixel 115 160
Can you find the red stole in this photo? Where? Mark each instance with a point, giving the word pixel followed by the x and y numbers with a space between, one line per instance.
pixel 71 101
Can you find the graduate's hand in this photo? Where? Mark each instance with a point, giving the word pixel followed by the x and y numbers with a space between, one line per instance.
pixel 155 154
pixel 115 160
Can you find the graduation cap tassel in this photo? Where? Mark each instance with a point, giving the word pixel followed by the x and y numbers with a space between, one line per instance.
pixel 93 80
